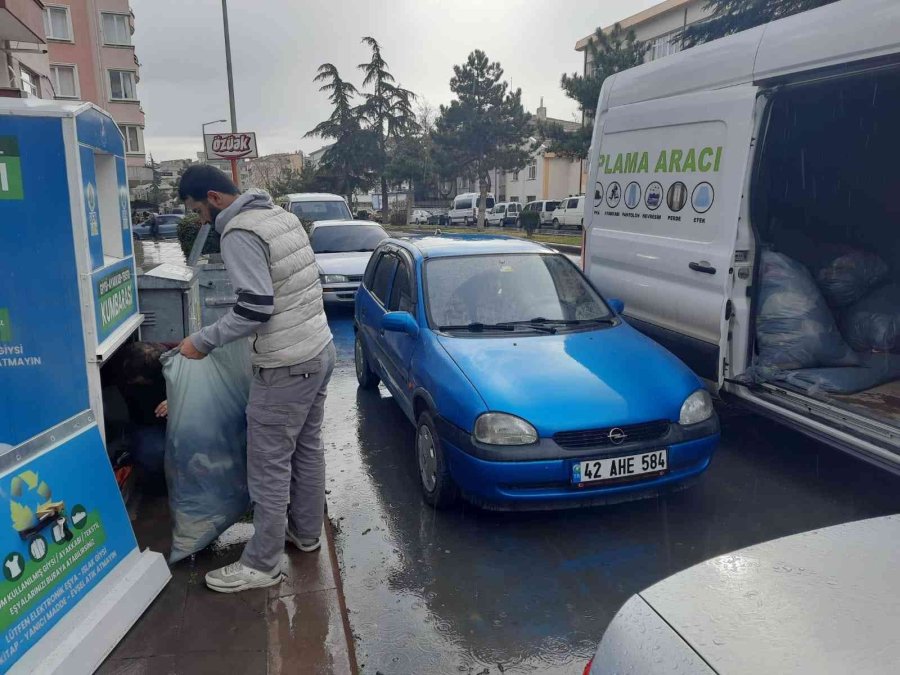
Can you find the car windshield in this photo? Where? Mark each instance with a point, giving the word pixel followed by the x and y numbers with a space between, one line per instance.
pixel 323 210
pixel 530 289
pixel 344 238
pixel 169 219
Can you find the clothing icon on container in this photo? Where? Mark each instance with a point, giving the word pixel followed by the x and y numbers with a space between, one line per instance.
pixel 13 566
pixel 676 197
pixel 598 193
pixel 61 531
pixel 702 197
pixel 79 516
pixel 37 548
pixel 632 195
pixel 613 195
pixel 653 196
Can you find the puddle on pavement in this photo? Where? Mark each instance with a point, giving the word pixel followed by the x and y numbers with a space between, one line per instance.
pixel 467 591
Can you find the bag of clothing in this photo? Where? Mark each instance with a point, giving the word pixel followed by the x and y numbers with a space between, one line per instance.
pixel 206 444
pixel 849 277
pixel 873 323
pixel 795 328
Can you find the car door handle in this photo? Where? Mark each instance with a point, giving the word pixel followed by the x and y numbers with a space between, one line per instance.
pixel 702 266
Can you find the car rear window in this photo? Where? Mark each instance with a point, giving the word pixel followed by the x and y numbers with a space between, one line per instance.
pixel 345 238
pixel 321 210
pixel 551 206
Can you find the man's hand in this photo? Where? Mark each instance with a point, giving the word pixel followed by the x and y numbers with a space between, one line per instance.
pixel 162 410
pixel 189 351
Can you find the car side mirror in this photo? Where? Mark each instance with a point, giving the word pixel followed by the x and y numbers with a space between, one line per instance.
pixel 616 305
pixel 400 322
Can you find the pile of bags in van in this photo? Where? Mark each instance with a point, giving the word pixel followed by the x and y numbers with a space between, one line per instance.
pixel 835 314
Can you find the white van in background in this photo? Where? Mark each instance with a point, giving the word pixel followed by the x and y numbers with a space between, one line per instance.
pixel 716 170
pixel 545 207
pixel 464 209
pixel 569 213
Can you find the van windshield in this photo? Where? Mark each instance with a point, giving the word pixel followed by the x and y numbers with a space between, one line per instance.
pixel 321 210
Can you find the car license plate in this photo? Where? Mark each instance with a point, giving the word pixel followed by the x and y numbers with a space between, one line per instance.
pixel 617 468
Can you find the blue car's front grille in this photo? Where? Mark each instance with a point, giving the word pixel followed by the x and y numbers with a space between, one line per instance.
pixel 597 438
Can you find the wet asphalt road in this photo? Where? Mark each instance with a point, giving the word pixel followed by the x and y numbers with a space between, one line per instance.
pixel 466 591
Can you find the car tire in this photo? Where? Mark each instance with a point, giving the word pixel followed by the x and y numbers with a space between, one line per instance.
pixel 556 224
pixel 366 377
pixel 438 488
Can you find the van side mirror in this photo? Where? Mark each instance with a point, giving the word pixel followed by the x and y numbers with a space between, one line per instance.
pixel 400 322
pixel 616 305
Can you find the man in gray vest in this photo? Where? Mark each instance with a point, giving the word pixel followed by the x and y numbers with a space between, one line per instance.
pixel 279 306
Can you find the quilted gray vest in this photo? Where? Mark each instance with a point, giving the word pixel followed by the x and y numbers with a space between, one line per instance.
pixel 298 329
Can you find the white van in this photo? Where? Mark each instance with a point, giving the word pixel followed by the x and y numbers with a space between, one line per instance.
pixel 545 207
pixel 569 213
pixel 503 214
pixel 744 207
pixel 464 209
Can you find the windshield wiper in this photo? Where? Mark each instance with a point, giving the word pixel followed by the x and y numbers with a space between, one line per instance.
pixel 478 327
pixel 541 321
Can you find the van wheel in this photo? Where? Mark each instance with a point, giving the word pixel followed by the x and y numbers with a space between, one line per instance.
pixel 366 377
pixel 438 488
pixel 556 224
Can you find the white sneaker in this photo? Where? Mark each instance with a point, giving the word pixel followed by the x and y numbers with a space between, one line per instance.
pixel 307 545
pixel 238 577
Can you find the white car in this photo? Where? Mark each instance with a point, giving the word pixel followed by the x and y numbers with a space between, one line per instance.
pixel 503 214
pixel 464 210
pixel 545 207
pixel 819 602
pixel 313 206
pixel 420 217
pixel 569 213
pixel 343 249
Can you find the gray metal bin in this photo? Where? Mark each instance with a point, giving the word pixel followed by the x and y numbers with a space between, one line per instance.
pixel 169 299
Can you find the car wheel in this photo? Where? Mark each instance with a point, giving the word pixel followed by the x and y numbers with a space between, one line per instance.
pixel 364 375
pixel 556 224
pixel 438 487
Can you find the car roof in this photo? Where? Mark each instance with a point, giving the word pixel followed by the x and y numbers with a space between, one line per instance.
pixel 445 245
pixel 821 601
pixel 314 197
pixel 339 223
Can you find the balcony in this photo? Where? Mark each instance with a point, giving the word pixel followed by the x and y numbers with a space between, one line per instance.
pixel 22 21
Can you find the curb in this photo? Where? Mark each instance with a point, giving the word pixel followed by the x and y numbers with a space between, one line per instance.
pixel 342 601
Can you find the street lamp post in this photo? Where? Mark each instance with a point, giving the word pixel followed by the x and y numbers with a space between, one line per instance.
pixel 234 127
pixel 203 127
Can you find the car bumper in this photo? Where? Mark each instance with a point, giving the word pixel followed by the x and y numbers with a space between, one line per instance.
pixel 547 483
pixel 339 294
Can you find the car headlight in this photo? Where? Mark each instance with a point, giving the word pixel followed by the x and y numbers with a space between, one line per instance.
pixel 503 429
pixel 333 278
pixel 697 407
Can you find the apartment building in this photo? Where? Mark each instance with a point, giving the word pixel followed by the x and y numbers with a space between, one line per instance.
pixel 657 26
pixel 24 65
pixel 92 58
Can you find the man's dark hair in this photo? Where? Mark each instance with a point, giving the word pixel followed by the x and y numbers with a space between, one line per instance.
pixel 197 180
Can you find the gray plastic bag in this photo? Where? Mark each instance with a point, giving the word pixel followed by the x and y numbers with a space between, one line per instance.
pixel 795 328
pixel 873 323
pixel 849 277
pixel 206 444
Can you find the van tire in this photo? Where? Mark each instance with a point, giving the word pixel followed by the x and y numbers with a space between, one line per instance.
pixel 556 224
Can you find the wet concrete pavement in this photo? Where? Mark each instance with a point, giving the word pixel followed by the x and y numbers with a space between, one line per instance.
pixel 466 591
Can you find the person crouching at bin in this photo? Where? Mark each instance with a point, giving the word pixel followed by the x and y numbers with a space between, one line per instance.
pixel 279 305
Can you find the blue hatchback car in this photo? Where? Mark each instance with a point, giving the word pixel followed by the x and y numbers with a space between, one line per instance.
pixel 526 387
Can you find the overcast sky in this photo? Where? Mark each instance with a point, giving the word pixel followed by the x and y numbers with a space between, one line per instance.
pixel 277 45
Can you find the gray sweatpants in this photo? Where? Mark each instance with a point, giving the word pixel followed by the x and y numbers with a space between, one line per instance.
pixel 286 456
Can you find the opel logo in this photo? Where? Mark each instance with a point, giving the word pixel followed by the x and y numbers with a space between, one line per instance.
pixel 617 436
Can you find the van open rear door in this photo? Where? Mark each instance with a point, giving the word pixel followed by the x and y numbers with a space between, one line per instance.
pixel 668 177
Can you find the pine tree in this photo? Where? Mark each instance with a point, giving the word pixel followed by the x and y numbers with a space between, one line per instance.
pixel 733 16
pixel 388 110
pixel 608 53
pixel 484 128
